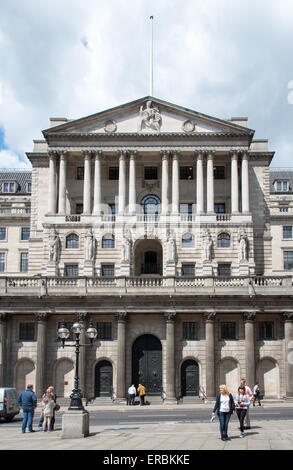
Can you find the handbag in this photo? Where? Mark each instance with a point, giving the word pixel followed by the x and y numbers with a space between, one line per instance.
pixel 57 407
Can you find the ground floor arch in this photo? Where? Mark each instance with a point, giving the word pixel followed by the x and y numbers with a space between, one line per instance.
pixel 268 377
pixel 230 374
pixel 64 377
pixel 147 363
pixel 103 379
pixel 25 374
pixel 189 378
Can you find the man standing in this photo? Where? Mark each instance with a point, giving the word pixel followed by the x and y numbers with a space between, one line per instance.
pixel 28 402
pixel 131 394
pixel 250 394
pixel 141 391
pixel 256 394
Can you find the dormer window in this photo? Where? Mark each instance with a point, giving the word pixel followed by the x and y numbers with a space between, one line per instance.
pixel 9 187
pixel 282 186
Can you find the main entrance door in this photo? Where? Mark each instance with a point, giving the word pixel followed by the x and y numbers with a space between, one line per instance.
pixel 189 378
pixel 103 379
pixel 147 364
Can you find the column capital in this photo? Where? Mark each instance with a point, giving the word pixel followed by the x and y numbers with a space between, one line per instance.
pixel 122 154
pixel 52 154
pixel 175 154
pixel 3 316
pixel 244 154
pixel 249 316
pixel 41 316
pixel 288 316
pixel 81 316
pixel 209 316
pixel 121 316
pixel 210 154
pixel 87 154
pixel 234 153
pixel 164 154
pixel 170 315
pixel 97 154
pixel 63 154
pixel 199 153
pixel 132 154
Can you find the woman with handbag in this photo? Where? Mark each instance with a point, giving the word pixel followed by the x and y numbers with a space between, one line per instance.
pixel 225 407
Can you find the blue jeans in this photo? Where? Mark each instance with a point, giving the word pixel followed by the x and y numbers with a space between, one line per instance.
pixel 224 421
pixel 28 416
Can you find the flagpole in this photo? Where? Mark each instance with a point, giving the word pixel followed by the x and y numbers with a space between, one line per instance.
pixel 151 59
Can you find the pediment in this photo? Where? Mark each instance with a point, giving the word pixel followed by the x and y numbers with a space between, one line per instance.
pixel 147 116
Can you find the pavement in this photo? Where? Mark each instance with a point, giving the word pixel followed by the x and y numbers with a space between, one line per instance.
pixel 270 434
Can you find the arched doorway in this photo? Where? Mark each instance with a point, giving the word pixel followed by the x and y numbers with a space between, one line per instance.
pixel 148 257
pixel 147 364
pixel 103 379
pixel 189 378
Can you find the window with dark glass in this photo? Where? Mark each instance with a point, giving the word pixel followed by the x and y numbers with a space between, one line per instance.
pixel 224 240
pixel 219 208
pixel 228 330
pixel 29 187
pixel 72 241
pixel 23 262
pixel 150 173
pixel 108 270
pixel 108 241
pixel 190 330
pixel 288 260
pixel 219 172
pixel 68 325
pixel 266 330
pixel 71 270
pixel 2 233
pixel 114 173
pixel 25 233
pixel 186 173
pixel 287 231
pixel 26 331
pixel 104 330
pixel 80 173
pixel 188 270
pixel 224 269
pixel 9 188
pixel 79 208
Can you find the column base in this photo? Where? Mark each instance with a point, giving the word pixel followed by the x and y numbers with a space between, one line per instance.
pixel 75 424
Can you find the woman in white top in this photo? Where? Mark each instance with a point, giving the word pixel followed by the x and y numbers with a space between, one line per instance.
pixel 225 407
pixel 242 401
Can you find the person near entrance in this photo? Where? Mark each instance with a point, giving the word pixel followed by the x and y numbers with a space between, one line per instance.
pixel 242 404
pixel 256 394
pixel 142 392
pixel 250 394
pixel 28 402
pixel 131 395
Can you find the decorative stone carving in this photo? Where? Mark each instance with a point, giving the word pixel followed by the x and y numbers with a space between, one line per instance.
pixel 188 126
pixel 288 316
pixel 170 315
pixel 207 244
pixel 243 245
pixel 3 316
pixel 127 246
pixel 53 246
pixel 209 316
pixel 81 317
pixel 41 316
pixel 149 118
pixel 171 247
pixel 249 316
pixel 89 245
pixel 121 316
pixel 110 126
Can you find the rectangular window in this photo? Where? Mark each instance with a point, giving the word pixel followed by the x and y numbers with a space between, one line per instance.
pixel 80 173
pixel 266 330
pixel 2 262
pixel 186 173
pixel 23 262
pixel 287 231
pixel 27 331
pixel 79 208
pixel 188 270
pixel 186 209
pixel 150 173
pixel 114 173
pixel 29 187
pixel 71 270
pixel 108 270
pixel 2 233
pixel 6 210
pixel 219 208
pixel 288 260
pixel 219 172
pixel 190 330
pixel 104 330
pixel 9 187
pixel 228 330
pixel 224 269
pixel 25 233
pixel 68 325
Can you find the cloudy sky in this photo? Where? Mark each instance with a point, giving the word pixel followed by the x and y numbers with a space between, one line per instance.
pixel 72 58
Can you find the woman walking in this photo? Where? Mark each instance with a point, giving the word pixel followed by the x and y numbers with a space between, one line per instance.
pixel 48 411
pixel 225 407
pixel 242 403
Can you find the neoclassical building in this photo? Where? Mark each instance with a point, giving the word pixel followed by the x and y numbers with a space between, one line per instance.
pixel 167 229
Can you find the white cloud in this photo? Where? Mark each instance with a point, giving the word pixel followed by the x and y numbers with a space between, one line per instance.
pixel 8 159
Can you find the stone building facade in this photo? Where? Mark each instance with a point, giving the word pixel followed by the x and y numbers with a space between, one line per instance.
pixel 165 227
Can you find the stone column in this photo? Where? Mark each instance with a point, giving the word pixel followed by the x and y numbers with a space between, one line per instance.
pixel 165 182
pixel 62 183
pixel 132 180
pixel 234 183
pixel 209 319
pixel 97 183
pixel 210 182
pixel 121 357
pixel 52 183
pixel 122 183
pixel 245 183
pixel 288 317
pixel 41 354
pixel 87 182
pixel 199 183
pixel 175 183
pixel 82 354
pixel 3 350
pixel 170 317
pixel 249 318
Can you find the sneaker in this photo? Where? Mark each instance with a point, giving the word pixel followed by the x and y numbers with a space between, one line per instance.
pixel 32 430
pixel 241 435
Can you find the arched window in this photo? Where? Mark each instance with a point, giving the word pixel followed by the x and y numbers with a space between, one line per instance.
pixel 188 240
pixel 108 241
pixel 151 204
pixel 224 240
pixel 72 241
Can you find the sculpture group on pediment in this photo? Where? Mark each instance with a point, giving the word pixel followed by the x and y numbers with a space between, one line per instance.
pixel 149 118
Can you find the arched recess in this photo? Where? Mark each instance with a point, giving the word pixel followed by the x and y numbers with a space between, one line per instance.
pixel 269 377
pixel 230 374
pixel 148 255
pixel 147 363
pixel 25 374
pixel 103 379
pixel 189 378
pixel 64 377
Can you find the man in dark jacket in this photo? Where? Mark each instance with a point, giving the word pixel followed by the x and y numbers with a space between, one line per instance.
pixel 28 402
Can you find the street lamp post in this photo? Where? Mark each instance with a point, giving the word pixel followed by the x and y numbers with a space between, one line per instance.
pixel 63 333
